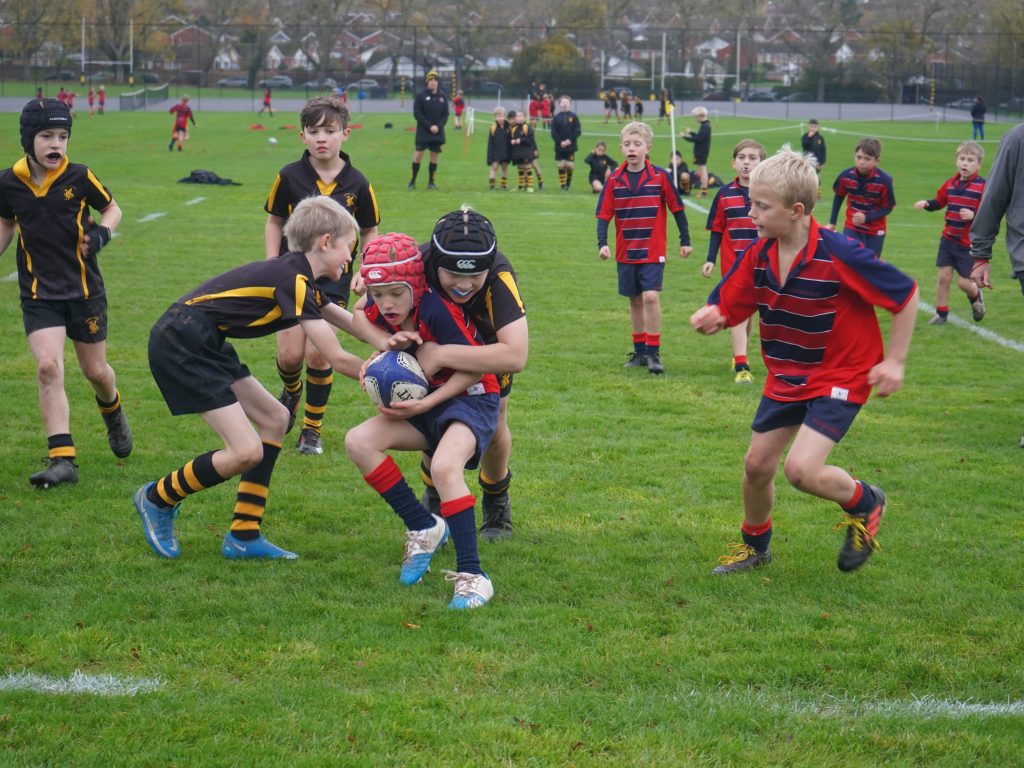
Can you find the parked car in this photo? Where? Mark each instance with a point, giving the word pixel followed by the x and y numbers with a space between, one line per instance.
pixel 964 103
pixel 716 96
pixel 1013 105
pixel 150 77
pixel 276 81
pixel 761 96
pixel 368 88
pixel 236 81
pixel 64 74
pixel 797 96
pixel 324 83
pixel 487 88
pixel 100 77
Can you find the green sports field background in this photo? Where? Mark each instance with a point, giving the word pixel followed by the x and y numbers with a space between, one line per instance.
pixel 608 643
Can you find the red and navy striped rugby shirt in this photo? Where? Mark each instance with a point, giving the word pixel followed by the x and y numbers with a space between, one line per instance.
pixel 955 195
pixel 872 195
pixel 639 213
pixel 444 322
pixel 819 332
pixel 730 217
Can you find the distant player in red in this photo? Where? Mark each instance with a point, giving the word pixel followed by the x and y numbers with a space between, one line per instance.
pixel 102 98
pixel 459 105
pixel 960 196
pixel 266 104
pixel 91 96
pixel 69 99
pixel 62 95
pixel 182 114
pixel 731 232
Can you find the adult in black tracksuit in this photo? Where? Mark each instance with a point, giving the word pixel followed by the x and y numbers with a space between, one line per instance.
pixel 431 112
pixel 701 140
pixel 565 130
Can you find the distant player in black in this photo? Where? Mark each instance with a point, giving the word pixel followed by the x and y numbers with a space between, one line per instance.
pixel 47 199
pixel 522 149
pixel 565 130
pixel 601 166
pixel 323 169
pixel 813 143
pixel 498 149
pixel 198 371
pixel 430 108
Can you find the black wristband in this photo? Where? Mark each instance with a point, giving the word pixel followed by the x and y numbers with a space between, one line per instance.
pixel 99 236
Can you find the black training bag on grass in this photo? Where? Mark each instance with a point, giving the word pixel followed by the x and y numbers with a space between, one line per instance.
pixel 207 177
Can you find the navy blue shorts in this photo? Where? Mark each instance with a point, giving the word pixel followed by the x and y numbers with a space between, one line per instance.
pixel 953 254
pixel 634 279
pixel 84 321
pixel 826 415
pixel 478 412
pixel 871 242
pixel 192 363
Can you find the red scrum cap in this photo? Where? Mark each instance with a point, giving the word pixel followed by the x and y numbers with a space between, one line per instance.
pixel 394 258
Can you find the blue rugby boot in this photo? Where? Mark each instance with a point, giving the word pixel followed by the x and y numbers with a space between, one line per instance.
pixel 157 523
pixel 420 547
pixel 236 549
pixel 472 590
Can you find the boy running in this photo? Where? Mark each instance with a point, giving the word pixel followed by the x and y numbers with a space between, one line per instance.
pixel 816 293
pixel 45 200
pixel 960 196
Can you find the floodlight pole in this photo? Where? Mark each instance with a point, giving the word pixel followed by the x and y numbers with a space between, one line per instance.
pixel 82 64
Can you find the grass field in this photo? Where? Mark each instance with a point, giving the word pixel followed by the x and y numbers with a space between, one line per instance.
pixel 608 643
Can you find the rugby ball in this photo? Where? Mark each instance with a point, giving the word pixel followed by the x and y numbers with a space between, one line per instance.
pixel 393 377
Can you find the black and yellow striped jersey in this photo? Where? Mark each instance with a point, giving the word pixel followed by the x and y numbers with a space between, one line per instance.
pixel 52 219
pixel 260 298
pixel 299 180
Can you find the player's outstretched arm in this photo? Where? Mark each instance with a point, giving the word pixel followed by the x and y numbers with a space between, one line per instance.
pixel 708 319
pixel 322 335
pixel 887 376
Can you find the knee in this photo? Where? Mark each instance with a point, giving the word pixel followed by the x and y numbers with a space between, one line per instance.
pixel 276 422
pixel 355 443
pixel 651 299
pixel 49 369
pixel 758 470
pixel 798 473
pixel 249 455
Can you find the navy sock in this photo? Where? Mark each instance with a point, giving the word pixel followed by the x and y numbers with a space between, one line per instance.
pixel 462 527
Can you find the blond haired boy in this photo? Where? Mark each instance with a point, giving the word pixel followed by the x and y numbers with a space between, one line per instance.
pixel 816 293
pixel 198 371
pixel 960 196
pixel 640 248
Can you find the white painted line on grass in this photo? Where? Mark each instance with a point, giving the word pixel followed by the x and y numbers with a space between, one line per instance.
pixel 195 201
pixel 151 217
pixel 11 277
pixel 980 330
pixel 78 682
pixel 925 708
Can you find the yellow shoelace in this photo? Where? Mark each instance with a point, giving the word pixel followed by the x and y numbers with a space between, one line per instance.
pixel 737 554
pixel 860 533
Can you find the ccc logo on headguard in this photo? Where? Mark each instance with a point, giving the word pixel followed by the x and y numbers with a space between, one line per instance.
pixel 375 274
pixel 466 264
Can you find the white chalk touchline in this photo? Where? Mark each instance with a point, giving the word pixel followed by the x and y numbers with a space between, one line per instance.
pixel 151 217
pixel 11 277
pixel 922 707
pixel 980 330
pixel 195 201
pixel 78 682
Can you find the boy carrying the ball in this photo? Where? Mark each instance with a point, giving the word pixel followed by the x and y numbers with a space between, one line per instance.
pixel 198 371
pixel 816 293
pixel 454 423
